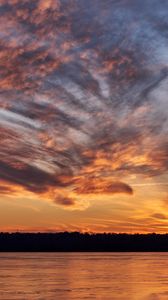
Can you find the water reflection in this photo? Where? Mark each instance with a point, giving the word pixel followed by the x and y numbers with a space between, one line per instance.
pixel 69 276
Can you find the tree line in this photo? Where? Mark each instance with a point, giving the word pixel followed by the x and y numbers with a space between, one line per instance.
pixel 75 241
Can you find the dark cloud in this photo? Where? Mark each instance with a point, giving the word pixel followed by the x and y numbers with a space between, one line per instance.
pixel 83 92
pixel 98 186
pixel 62 200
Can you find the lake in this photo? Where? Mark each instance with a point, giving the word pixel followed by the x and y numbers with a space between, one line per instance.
pixel 69 276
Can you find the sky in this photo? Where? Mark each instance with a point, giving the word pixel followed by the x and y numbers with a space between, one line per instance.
pixel 84 115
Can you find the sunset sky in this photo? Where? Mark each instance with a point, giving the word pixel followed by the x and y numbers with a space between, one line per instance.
pixel 84 115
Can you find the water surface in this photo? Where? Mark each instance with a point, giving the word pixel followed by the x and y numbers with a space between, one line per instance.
pixel 69 276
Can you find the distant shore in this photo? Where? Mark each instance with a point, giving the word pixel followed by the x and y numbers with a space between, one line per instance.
pixel 82 242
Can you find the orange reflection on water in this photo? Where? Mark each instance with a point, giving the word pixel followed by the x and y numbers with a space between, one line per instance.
pixel 69 276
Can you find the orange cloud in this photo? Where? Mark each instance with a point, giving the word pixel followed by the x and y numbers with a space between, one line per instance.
pixel 101 186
